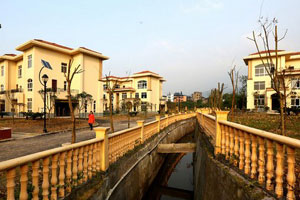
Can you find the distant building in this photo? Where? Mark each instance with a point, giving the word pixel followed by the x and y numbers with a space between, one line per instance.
pixel 179 97
pixel 145 87
pixel 196 96
pixel 189 98
pixel 170 97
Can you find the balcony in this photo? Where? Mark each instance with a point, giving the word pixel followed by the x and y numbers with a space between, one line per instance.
pixel 18 90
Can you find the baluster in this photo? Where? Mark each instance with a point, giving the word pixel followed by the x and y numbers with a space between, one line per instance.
pixel 261 160
pixel 54 177
pixel 279 170
pixel 94 147
pixel 69 171
pixel 247 153
pixel 291 177
pixel 223 139
pixel 10 185
pixel 98 146
pixel 75 171
pixel 24 181
pixel 227 142
pixel 35 179
pixel 61 191
pixel 45 184
pixel 270 165
pixel 90 161
pixel 231 142
pixel 253 156
pixel 80 166
pixel 236 146
pixel 242 150
pixel 85 164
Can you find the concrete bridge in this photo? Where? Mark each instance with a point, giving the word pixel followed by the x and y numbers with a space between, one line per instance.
pixel 231 161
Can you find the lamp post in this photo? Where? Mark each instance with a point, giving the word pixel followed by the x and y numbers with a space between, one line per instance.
pixel 45 80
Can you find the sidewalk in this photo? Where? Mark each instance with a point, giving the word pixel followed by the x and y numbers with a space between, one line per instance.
pixel 21 147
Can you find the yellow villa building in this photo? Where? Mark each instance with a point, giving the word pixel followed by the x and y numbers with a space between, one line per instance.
pixel 259 91
pixel 144 87
pixel 19 74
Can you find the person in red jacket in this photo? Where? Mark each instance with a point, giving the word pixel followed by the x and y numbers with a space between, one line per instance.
pixel 91 120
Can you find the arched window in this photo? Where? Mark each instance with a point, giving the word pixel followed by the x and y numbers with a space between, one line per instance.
pixel 29 84
pixel 2 87
pixel 142 84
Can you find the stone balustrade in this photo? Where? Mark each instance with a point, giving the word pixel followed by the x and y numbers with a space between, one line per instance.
pixel 263 156
pixel 53 173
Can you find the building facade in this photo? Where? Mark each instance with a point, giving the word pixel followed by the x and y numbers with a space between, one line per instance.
pixel 20 77
pixel 196 96
pixel 143 90
pixel 179 97
pixel 260 94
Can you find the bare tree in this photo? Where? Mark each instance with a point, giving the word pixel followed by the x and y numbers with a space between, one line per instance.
pixel 110 84
pixel 50 99
pixel 69 78
pixel 233 74
pixel 270 61
pixel 10 96
pixel 83 98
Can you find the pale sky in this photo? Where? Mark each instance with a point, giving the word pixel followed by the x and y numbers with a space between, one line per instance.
pixel 192 44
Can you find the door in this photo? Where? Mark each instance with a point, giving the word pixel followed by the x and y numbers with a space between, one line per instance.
pixel 275 102
pixel 54 85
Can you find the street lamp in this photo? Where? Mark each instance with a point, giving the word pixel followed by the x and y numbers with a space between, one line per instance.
pixel 45 80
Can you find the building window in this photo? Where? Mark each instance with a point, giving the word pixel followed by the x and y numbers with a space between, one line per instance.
pixel 142 84
pixel 29 85
pixel 296 83
pixel 2 71
pixel 259 101
pixel 29 104
pixel 29 61
pixel 65 85
pixel 2 87
pixel 124 95
pixel 144 95
pixel 104 96
pixel 94 106
pixel 117 86
pixel 105 87
pixel 259 85
pixel 123 86
pixel 137 95
pixel 20 71
pixel 295 101
pixel 260 70
pixel 64 67
pixel 144 106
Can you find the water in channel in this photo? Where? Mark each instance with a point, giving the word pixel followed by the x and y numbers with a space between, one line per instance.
pixel 174 180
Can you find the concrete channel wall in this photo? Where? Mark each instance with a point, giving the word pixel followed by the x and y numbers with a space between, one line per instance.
pixel 214 181
pixel 131 176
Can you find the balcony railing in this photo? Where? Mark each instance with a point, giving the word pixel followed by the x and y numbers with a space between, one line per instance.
pixel 12 91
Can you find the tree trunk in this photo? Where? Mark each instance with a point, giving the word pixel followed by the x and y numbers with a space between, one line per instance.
pixel 111 113
pixel 72 114
pixel 282 121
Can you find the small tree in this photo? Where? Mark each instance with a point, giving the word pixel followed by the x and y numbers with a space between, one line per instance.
pixel 50 100
pixel 10 96
pixel 83 98
pixel 233 74
pixel 110 84
pixel 69 78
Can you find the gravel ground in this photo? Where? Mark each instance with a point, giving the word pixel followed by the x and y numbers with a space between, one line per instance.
pixel 21 147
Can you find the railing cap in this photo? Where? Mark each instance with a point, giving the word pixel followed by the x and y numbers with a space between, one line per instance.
pixel 101 129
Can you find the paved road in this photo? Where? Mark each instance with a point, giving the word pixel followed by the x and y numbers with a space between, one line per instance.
pixel 22 147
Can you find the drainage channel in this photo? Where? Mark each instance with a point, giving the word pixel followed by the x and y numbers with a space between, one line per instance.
pixel 174 180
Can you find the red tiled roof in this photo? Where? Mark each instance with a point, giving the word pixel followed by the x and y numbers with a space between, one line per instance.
pixel 90 50
pixel 9 54
pixel 54 44
pixel 262 52
pixel 144 72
